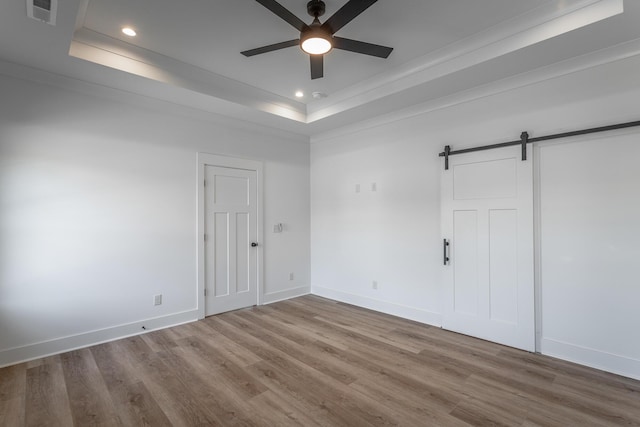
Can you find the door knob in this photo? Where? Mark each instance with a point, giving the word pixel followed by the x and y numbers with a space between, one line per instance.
pixel 254 244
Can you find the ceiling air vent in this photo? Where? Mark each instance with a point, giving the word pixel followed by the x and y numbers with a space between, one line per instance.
pixel 43 10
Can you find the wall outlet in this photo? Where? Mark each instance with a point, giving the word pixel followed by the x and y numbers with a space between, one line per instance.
pixel 357 188
pixel 374 186
pixel 290 276
pixel 157 300
pixel 374 285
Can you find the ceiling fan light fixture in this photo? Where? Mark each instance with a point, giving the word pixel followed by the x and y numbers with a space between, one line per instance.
pixel 128 31
pixel 316 45
pixel 315 40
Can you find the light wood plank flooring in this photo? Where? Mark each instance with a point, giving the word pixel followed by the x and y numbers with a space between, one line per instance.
pixel 311 362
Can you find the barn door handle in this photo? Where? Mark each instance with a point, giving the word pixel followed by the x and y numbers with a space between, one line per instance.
pixel 254 244
pixel 445 251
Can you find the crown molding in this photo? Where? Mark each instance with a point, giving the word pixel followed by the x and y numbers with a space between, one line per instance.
pixel 525 30
pixel 573 65
pixel 542 23
pixel 104 50
pixel 166 100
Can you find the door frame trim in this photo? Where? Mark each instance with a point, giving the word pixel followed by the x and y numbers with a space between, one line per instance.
pixel 207 159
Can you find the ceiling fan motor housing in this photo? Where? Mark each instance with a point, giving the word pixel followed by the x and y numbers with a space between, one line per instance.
pixel 316 8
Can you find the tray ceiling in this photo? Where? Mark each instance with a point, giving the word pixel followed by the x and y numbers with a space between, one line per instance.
pixel 188 52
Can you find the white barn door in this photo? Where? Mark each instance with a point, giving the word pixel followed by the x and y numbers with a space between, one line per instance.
pixel 487 221
pixel 231 251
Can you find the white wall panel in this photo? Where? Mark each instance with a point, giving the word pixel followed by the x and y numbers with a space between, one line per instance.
pixel 393 235
pixel 98 214
pixel 590 229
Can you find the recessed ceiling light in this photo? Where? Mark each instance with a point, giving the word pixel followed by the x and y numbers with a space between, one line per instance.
pixel 128 31
pixel 299 94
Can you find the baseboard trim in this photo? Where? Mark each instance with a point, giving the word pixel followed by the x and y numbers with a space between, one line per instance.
pixel 411 313
pixel 17 355
pixel 286 294
pixel 597 359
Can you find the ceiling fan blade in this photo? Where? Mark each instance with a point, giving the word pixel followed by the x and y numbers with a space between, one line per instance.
pixel 362 47
pixel 317 66
pixel 271 47
pixel 346 14
pixel 283 13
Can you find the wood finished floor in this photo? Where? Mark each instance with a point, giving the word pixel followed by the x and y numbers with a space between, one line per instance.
pixel 310 362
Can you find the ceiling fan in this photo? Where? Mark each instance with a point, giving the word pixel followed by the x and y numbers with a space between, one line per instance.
pixel 318 38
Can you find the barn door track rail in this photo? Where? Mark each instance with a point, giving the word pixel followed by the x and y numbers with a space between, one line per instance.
pixel 524 140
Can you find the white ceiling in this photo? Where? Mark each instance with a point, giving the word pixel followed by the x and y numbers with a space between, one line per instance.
pixel 211 34
pixel 188 52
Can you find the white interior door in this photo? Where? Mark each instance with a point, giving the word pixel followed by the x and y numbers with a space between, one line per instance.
pixel 231 273
pixel 487 219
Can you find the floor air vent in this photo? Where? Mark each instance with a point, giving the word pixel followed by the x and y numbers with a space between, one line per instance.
pixel 43 10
